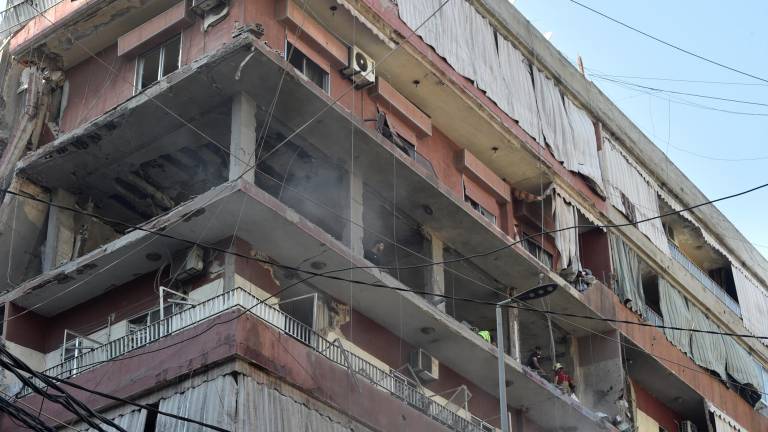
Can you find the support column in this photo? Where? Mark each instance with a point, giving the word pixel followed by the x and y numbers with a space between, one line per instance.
pixel 354 235
pixel 513 319
pixel 60 237
pixel 437 272
pixel 242 144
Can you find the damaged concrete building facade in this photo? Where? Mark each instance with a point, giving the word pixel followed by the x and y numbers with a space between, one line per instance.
pixel 278 215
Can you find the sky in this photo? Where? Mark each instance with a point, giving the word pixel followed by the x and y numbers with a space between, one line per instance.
pixel 694 138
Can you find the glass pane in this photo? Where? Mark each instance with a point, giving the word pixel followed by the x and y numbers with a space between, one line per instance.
pixel 316 74
pixel 171 55
pixel 295 57
pixel 150 63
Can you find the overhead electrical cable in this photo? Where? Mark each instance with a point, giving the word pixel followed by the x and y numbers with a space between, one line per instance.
pixel 669 44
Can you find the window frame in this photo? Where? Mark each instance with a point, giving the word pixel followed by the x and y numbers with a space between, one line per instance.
pixel 138 84
pixel 326 86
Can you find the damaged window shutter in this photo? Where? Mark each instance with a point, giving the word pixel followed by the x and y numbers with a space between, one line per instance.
pixel 626 266
pixel 566 240
pixel 674 308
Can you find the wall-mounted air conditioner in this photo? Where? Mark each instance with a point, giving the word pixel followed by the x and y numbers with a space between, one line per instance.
pixel 361 68
pixel 193 263
pixel 688 426
pixel 424 365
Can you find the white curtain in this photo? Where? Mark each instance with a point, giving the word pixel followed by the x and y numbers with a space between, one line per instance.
pixel 708 350
pixel 213 402
pixel 753 301
pixel 566 241
pixel 626 264
pixel 585 159
pixel 515 94
pixel 740 364
pixel 623 177
pixel 554 120
pixel 674 309
pixel 504 74
pixel 263 409
pixel 132 421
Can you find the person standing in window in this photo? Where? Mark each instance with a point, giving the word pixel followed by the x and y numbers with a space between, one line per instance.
pixel 374 254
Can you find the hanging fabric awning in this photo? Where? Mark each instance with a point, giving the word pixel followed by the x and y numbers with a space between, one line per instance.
pixel 514 92
pixel 130 421
pixel 263 409
pixel 567 240
pixel 213 402
pixel 623 180
pixel 585 158
pixel 740 365
pixel 708 350
pixel 723 423
pixel 626 265
pixel 480 54
pixel 674 309
pixel 554 120
pixel 753 301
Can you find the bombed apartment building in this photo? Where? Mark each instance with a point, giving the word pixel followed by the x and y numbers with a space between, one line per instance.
pixel 287 215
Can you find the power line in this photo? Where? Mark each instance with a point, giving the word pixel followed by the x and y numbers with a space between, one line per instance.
pixel 602 77
pixel 681 80
pixel 61 423
pixel 669 44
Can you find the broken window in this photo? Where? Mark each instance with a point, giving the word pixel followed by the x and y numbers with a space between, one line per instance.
pixel 534 248
pixel 158 62
pixel 307 67
pixel 484 212
pixel 152 316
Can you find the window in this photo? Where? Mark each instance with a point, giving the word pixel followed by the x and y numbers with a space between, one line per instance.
pixel 480 209
pixel 158 62
pixel 307 67
pixel 541 254
pixel 152 317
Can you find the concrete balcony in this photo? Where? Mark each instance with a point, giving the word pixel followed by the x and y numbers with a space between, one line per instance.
pixel 288 238
pixel 241 300
pixel 705 280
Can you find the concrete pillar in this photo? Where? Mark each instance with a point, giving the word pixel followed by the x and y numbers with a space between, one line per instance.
pixel 437 272
pixel 242 144
pixel 513 320
pixel 354 235
pixel 60 237
pixel 598 371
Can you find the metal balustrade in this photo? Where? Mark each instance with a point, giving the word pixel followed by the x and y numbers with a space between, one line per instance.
pixel 702 277
pixel 385 380
pixel 652 317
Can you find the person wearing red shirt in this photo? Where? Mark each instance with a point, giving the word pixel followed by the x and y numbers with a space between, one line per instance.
pixel 563 380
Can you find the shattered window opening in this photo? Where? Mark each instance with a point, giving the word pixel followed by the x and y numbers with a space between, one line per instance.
pixel 158 62
pixel 307 67
pixel 484 212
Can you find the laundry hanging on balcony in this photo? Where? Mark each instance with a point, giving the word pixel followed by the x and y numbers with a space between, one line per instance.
pixel 479 54
pixel 753 300
pixel 629 190
pixel 674 309
pixel 626 264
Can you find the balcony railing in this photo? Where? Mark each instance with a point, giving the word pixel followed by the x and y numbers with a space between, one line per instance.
pixel 385 380
pixel 652 317
pixel 702 277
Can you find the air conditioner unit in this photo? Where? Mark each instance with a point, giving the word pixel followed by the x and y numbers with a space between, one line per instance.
pixel 361 68
pixel 425 366
pixel 688 426
pixel 200 7
pixel 193 265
